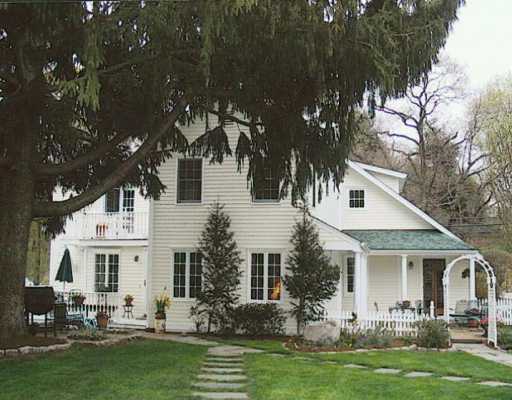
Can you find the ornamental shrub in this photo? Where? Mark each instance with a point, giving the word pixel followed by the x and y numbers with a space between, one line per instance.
pixel 256 319
pixel 505 337
pixel 433 334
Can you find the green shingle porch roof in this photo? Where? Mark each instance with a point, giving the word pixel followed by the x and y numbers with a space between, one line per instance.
pixel 407 240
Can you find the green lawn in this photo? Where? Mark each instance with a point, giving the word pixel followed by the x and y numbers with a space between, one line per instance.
pixel 159 370
pixel 446 363
pixel 287 378
pixel 142 370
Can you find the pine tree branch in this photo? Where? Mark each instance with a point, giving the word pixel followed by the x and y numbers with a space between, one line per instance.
pixel 95 154
pixel 66 207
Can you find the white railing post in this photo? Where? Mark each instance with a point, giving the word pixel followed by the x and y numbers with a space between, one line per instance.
pixel 432 310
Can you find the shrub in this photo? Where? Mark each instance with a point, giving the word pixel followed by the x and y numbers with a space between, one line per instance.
pixel 377 337
pixel 256 319
pixel 505 337
pixel 432 334
pixel 89 334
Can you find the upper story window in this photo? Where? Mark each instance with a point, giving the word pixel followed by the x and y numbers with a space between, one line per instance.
pixel 187 274
pixel 190 173
pixel 266 276
pixel 120 200
pixel 350 274
pixel 356 198
pixel 267 187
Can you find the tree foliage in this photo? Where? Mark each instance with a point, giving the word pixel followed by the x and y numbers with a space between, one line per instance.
pixel 221 272
pixel 91 94
pixel 311 279
pixel 495 107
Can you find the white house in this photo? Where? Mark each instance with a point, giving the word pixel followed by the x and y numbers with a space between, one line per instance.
pixel 108 244
pixel 388 249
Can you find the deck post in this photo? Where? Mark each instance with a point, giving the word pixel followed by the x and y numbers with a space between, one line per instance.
pixel 404 294
pixel 472 284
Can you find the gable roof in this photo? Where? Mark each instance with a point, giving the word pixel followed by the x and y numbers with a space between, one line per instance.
pixel 380 170
pixel 360 170
pixel 335 236
pixel 393 239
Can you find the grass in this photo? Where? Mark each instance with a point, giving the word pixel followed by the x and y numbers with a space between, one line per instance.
pixel 445 363
pixel 268 345
pixel 140 370
pixel 288 378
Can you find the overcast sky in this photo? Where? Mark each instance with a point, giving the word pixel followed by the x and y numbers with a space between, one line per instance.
pixel 481 43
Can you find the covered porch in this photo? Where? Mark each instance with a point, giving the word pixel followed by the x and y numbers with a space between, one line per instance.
pixel 401 271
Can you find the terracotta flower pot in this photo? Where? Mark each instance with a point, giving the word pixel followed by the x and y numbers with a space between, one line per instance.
pixel 102 320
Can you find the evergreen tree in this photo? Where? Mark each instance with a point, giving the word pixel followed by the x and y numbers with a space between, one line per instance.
pixel 312 279
pixel 92 95
pixel 221 273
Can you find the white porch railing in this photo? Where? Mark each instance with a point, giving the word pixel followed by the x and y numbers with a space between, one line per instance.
pixel 399 323
pixel 93 303
pixel 122 225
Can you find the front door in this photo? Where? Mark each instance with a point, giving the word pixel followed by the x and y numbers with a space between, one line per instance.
pixel 433 283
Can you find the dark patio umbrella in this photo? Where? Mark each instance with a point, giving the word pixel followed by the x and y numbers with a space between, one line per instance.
pixel 65 272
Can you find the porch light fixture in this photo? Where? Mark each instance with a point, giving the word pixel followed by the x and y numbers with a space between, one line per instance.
pixel 410 264
pixel 136 258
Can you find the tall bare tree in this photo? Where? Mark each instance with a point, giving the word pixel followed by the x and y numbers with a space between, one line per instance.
pixel 445 165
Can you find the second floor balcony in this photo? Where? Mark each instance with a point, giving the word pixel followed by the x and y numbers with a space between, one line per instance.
pixel 118 225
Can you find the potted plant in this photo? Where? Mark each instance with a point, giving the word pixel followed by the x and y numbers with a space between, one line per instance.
pixel 128 300
pixel 102 319
pixel 162 303
pixel 78 299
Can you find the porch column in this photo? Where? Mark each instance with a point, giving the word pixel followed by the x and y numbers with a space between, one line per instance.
pixel 361 283
pixel 472 284
pixel 404 294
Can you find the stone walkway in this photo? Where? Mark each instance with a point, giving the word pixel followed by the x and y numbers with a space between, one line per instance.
pixel 223 376
pixel 485 352
pixel 405 374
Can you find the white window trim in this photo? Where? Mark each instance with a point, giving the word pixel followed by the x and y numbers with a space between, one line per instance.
pixel 107 269
pixel 345 275
pixel 347 198
pixel 176 183
pixel 187 251
pixel 265 274
pixel 121 200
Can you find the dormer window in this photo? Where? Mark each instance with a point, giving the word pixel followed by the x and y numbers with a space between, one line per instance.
pixel 267 187
pixel 356 198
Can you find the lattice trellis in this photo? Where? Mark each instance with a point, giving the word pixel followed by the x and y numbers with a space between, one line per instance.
pixel 492 337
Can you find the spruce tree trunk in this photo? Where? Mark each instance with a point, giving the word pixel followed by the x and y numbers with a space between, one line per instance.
pixel 16 197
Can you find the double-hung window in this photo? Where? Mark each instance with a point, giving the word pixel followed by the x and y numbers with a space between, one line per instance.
pixel 106 272
pixel 119 199
pixel 266 187
pixel 265 277
pixel 356 198
pixel 350 274
pixel 187 274
pixel 190 173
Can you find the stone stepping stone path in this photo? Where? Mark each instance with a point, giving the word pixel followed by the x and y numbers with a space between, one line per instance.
pixel 387 371
pixel 418 374
pixel 455 378
pixel 355 366
pixel 222 374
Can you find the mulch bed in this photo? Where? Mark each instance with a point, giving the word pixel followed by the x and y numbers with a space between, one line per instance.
pixel 28 340
pixel 298 344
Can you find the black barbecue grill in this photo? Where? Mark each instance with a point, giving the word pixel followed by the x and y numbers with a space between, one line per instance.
pixel 39 300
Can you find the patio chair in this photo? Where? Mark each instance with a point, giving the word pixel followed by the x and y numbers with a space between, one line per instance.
pixel 62 319
pixel 462 314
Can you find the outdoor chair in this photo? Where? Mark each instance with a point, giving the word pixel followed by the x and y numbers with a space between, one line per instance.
pixel 62 319
pixel 464 312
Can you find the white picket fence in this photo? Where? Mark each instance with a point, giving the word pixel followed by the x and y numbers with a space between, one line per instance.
pixel 503 309
pixel 398 323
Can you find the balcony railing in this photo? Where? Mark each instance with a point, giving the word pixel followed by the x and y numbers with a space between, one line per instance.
pixel 121 225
